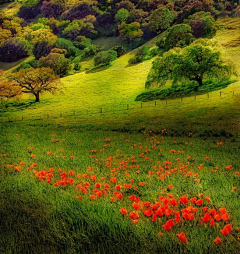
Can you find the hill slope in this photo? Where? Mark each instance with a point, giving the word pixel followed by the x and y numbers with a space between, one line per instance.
pixel 112 91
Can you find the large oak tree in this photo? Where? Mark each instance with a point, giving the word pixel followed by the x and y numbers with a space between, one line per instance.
pixel 197 62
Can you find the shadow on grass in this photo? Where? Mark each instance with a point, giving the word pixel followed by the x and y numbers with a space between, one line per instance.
pixel 97 69
pixel 20 105
pixel 6 66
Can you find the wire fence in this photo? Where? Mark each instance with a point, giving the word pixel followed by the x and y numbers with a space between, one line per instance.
pixel 105 110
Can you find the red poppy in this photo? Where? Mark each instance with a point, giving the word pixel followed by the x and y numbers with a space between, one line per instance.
pixel 123 210
pixel 182 237
pixel 217 240
pixel 133 215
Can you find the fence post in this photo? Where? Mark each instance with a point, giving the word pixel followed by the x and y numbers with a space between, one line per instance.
pixel 155 103
pixel 220 94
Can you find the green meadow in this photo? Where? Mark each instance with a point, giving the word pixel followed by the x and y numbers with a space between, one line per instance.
pixel 91 170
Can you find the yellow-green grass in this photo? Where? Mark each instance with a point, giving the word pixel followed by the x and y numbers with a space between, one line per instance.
pixel 110 90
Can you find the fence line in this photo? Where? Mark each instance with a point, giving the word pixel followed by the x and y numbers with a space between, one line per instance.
pixel 102 110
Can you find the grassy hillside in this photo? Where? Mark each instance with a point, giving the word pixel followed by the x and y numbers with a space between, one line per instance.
pixel 90 170
pixel 110 90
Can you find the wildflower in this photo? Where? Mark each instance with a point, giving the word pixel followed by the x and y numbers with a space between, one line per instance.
pixel 217 240
pixel 182 237
pixel 199 202
pixel 133 215
pixel 148 212
pixel 225 231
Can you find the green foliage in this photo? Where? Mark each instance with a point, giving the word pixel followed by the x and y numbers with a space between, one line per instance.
pixel 122 15
pixel 143 53
pixel 90 50
pixel 77 28
pixel 130 32
pixel 13 50
pixel 23 66
pixel 81 10
pixel 202 24
pixel 161 43
pixel 104 58
pixel 119 49
pixel 33 63
pixel 179 36
pixel 160 20
pixel 81 42
pixel 197 62
pixel 42 48
pixel 57 62
pixel 72 51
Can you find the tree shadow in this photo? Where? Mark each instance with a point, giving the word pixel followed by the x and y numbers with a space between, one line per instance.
pixel 6 66
pixel 97 69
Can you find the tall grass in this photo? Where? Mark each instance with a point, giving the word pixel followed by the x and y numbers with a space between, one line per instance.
pixel 38 217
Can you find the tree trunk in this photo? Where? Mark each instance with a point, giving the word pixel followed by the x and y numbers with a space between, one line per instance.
pixel 200 82
pixel 36 97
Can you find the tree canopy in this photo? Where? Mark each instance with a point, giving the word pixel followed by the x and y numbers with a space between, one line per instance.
pixel 36 81
pixel 160 20
pixel 197 63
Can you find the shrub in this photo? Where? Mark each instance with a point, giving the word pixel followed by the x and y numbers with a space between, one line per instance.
pixel 57 62
pixel 104 58
pixel 52 9
pixel 119 49
pixel 81 42
pixel 142 54
pixel 13 50
pixel 42 48
pixel 72 51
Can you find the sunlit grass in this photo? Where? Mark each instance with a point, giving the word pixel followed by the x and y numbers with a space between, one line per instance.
pixel 110 90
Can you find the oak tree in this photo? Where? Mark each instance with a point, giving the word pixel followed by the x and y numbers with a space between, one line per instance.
pixel 36 81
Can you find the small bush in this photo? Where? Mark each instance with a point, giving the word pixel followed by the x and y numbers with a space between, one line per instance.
pixel 104 58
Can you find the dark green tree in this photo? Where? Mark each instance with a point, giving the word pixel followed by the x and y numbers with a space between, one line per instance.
pixel 104 58
pixel 13 50
pixel 42 48
pixel 179 36
pixel 202 24
pixel 197 62
pixel 160 20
